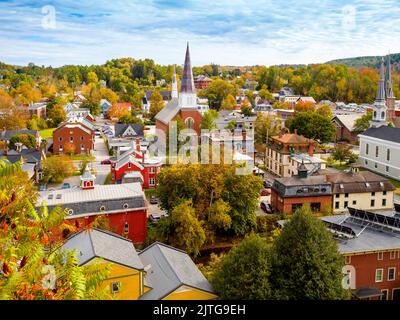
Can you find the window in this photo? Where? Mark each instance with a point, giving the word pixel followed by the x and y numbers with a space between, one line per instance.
pixel 388 155
pixel 71 139
pixel 337 195
pixel 376 165
pixel 392 255
pixel 60 147
pixel 102 208
pixel 391 274
pixel 378 275
pixel 366 162
pixel 129 165
pixel 376 151
pixel 152 181
pixel 347 259
pixel 60 139
pixel 115 287
pixel 366 148
pixel 384 193
pixel 82 147
pixel 380 255
pixel 316 206
pixel 346 195
pixel 387 168
pixel 125 206
pixel 152 169
pixel 337 203
pixel 372 203
pixel 189 123
pixel 346 204
pixel 373 194
pixel 126 227
pixel 383 202
pixel 385 294
pixel 354 202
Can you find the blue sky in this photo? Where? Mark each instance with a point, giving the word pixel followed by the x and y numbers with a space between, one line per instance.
pixel 227 32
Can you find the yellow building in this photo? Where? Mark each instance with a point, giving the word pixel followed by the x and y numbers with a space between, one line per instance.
pixel 158 272
pixel 172 275
pixel 363 190
pixel 126 279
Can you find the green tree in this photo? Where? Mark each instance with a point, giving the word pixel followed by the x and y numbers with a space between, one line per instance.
pixel 325 110
pixel 92 77
pixel 56 115
pixel 265 94
pixel 243 274
pixel 343 153
pixel 306 262
pixel 57 168
pixel 217 91
pixel 363 123
pixel 208 120
pixel 187 232
pixel 27 140
pixel 313 126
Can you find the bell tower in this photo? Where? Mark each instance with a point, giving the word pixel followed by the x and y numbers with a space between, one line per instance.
pixel 379 108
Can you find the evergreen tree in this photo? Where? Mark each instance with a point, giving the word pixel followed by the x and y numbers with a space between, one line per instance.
pixel 306 262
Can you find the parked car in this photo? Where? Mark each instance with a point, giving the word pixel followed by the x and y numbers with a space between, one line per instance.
pixel 267 183
pixel 153 200
pixel 265 192
pixel 266 207
pixel 106 161
pixel 42 187
pixel 155 217
pixel 66 185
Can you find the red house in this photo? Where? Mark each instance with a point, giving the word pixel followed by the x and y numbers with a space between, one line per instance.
pixel 135 166
pixel 75 133
pixel 124 206
pixel 370 245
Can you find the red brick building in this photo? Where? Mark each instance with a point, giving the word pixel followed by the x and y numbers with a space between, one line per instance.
pixel 370 245
pixel 345 127
pixel 289 194
pixel 201 82
pixel 124 206
pixel 135 166
pixel 77 134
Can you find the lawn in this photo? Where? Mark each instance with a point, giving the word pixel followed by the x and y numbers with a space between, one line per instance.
pixel 47 133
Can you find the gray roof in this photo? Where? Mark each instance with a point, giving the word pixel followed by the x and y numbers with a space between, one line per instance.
pixel 8 134
pixel 170 269
pixel 308 187
pixel 187 82
pixel 29 155
pixel 169 111
pixel 348 120
pixel 368 240
pixel 103 244
pixel 383 133
pixel 120 128
pixel 112 197
pixel 166 95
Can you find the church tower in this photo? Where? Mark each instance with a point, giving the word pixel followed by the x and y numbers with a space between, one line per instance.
pixel 187 96
pixel 390 98
pixel 379 107
pixel 174 89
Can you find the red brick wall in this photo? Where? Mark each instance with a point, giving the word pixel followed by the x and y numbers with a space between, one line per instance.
pixel 118 174
pixel 76 133
pixel 195 115
pixel 366 265
pixel 286 205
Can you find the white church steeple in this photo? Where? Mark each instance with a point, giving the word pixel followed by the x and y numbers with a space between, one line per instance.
pixel 174 89
pixel 379 117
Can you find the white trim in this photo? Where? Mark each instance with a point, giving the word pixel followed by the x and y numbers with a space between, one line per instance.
pixel 380 254
pixel 376 273
pixel 83 215
pixel 387 294
pixel 394 274
pixel 393 291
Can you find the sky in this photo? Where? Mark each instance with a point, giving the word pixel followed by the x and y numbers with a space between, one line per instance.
pixel 225 32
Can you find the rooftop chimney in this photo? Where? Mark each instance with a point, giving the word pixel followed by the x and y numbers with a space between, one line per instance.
pixel 311 148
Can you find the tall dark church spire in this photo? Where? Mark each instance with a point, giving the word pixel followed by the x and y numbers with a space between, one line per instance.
pixel 381 94
pixel 389 86
pixel 187 83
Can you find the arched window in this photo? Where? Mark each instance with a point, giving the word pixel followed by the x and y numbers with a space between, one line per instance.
pixel 374 114
pixel 189 123
pixel 383 115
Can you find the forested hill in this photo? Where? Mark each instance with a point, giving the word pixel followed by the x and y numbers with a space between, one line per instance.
pixel 371 61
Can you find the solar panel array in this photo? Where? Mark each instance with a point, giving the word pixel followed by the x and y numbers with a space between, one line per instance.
pixel 340 229
pixel 375 220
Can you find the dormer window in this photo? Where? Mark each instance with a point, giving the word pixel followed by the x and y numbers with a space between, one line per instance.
pixel 125 206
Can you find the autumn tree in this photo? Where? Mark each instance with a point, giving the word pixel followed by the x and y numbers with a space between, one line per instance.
pixel 303 106
pixel 156 103
pixel 229 103
pixel 92 77
pixel 56 115
pixel 217 91
pixel 343 153
pixel 118 111
pixel 325 111
pixel 30 253
pixel 56 169
pixel 27 140
pixel 69 149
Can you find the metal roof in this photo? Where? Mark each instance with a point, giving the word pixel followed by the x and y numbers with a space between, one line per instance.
pixel 383 133
pixel 170 268
pixel 94 243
